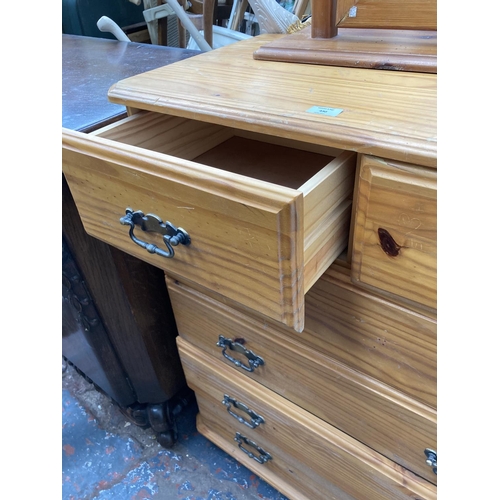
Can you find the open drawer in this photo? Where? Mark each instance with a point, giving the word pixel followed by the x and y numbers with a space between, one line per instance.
pixel 255 218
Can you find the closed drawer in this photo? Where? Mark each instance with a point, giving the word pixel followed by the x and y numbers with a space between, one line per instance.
pixel 375 336
pixel 265 216
pixel 395 228
pixel 369 334
pixel 384 419
pixel 298 451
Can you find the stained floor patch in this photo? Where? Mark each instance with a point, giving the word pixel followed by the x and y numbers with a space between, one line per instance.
pixel 93 459
pixel 107 458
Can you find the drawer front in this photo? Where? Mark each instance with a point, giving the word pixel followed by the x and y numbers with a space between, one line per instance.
pixel 258 226
pixel 395 228
pixel 380 417
pixel 367 333
pixel 311 456
pixel 244 237
pixel 372 335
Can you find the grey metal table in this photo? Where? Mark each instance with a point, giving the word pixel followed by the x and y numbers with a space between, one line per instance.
pixel 91 65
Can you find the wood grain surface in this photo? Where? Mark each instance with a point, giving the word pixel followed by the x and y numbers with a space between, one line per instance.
pixel 382 49
pixel 394 242
pixel 393 14
pixel 384 419
pixel 364 331
pixel 378 337
pixel 306 451
pixel 385 113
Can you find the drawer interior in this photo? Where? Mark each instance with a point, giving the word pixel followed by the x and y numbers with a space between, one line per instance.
pixel 279 161
pixel 269 162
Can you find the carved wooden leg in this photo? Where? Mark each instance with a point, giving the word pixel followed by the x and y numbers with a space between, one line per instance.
pixel 161 417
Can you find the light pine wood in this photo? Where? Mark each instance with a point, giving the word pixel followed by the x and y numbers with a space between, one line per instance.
pixel 306 451
pixel 210 427
pixel 269 162
pixel 386 113
pixel 386 420
pixel 280 141
pixel 351 400
pixel 231 223
pixel 326 224
pixel 401 199
pixel 379 338
pixel 248 234
pixel 386 14
pixel 208 20
pixel 330 238
pixel 169 135
pixel 393 14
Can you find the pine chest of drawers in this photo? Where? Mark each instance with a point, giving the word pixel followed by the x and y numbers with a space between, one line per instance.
pixel 299 248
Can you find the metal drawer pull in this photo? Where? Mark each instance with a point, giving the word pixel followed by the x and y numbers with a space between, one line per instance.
pixel 432 459
pixel 263 457
pixel 253 360
pixel 255 420
pixel 172 235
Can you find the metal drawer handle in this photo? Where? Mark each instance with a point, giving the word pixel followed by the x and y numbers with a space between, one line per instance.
pixel 255 419
pixel 263 457
pixel 172 235
pixel 432 459
pixel 253 360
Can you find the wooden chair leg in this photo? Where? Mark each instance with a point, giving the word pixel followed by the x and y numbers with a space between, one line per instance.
pixel 238 12
pixel 208 20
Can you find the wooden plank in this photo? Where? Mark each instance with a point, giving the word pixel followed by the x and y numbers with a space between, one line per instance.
pixel 358 48
pixel 327 223
pixel 215 432
pixel 386 113
pixel 379 338
pixel 342 10
pixel 393 14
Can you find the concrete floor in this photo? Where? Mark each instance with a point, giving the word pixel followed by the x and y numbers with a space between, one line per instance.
pixel 106 457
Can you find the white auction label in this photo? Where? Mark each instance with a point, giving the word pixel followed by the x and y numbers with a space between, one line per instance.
pixel 322 110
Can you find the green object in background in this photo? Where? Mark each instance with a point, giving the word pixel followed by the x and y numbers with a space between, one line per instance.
pixel 79 17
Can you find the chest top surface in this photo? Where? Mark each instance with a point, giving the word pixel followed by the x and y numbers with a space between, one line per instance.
pixel 391 114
